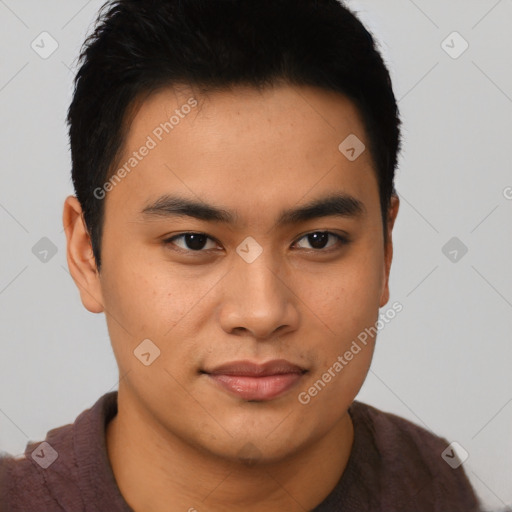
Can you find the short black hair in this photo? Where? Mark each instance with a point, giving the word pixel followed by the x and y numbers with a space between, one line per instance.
pixel 141 46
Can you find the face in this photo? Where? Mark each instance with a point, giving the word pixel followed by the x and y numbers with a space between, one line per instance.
pixel 251 298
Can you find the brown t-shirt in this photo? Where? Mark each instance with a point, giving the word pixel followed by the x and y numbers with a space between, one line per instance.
pixel 394 466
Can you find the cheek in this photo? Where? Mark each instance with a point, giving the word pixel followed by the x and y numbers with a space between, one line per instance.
pixel 140 306
pixel 140 290
pixel 346 298
pixel 135 306
pixel 147 301
pixel 128 293
pixel 349 308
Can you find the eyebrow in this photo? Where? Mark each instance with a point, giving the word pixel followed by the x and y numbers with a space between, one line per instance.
pixel 339 204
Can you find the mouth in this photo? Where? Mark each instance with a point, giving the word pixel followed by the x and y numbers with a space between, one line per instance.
pixel 253 381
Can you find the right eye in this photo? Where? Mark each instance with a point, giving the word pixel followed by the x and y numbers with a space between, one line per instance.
pixel 191 242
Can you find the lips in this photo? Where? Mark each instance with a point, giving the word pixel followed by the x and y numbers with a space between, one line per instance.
pixel 254 381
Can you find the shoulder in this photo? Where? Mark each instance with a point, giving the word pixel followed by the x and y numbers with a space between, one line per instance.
pixel 409 460
pixel 49 475
pixel 29 479
pixel 392 432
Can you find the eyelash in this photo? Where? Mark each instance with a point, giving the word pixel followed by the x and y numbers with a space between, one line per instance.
pixel 342 240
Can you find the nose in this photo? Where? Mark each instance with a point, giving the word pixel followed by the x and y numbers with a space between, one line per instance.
pixel 258 301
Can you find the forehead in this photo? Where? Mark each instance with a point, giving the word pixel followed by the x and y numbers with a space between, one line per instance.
pixel 243 110
pixel 247 148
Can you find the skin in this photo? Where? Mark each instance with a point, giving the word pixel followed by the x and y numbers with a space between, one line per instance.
pixel 179 441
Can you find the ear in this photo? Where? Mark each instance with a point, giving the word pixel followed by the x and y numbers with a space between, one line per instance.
pixel 81 261
pixel 388 248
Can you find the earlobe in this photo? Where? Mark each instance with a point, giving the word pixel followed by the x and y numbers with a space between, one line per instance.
pixel 80 257
pixel 388 251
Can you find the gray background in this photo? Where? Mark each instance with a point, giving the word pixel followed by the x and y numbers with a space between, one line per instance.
pixel 444 362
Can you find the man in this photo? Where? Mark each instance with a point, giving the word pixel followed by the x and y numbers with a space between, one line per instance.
pixel 233 164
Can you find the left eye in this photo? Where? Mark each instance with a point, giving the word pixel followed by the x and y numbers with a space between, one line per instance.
pixel 318 239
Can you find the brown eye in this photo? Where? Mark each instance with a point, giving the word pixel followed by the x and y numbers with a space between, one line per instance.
pixel 192 242
pixel 318 240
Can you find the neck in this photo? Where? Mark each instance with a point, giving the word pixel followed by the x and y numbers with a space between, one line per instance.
pixel 156 470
